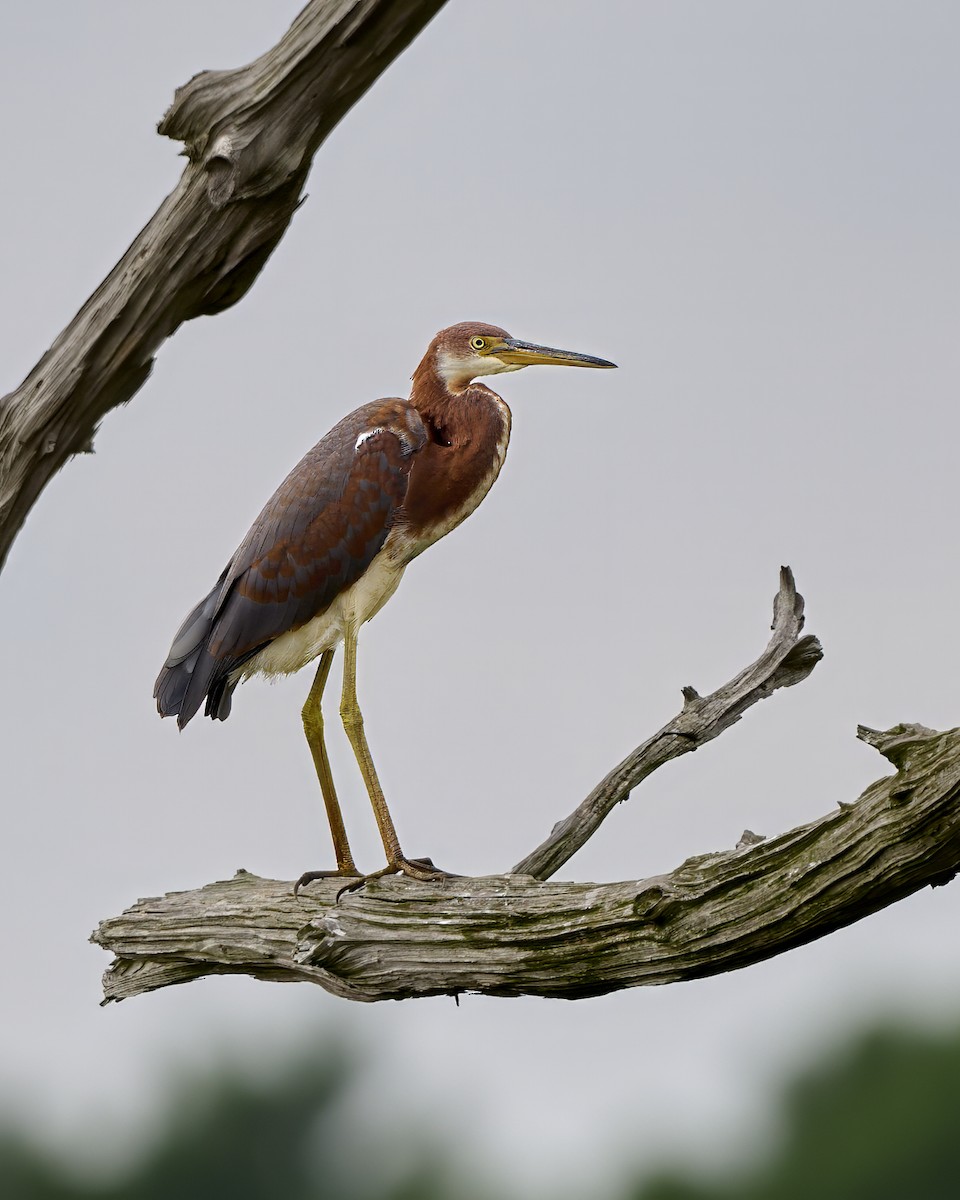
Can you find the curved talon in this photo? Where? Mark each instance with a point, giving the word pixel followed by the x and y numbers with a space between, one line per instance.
pixel 426 869
pixel 310 876
pixel 415 868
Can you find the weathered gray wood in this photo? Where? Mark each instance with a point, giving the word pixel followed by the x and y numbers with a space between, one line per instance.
pixel 515 935
pixel 512 935
pixel 787 660
pixel 249 136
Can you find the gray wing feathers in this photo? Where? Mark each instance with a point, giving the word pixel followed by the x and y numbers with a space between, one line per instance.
pixel 179 676
pixel 195 628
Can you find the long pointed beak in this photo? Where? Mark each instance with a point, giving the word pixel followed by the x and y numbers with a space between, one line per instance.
pixel 526 354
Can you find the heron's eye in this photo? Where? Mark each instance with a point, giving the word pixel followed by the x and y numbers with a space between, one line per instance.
pixel 477 343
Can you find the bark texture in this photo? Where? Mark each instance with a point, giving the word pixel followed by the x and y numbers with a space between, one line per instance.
pixel 513 934
pixel 249 136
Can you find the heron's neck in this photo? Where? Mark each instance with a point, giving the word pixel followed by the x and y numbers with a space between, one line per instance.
pixel 467 436
pixel 442 406
pixel 430 389
pixel 433 399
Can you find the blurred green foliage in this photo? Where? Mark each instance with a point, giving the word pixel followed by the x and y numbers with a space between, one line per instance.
pixel 229 1135
pixel 878 1121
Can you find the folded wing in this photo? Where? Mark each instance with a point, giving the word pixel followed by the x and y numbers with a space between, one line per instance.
pixel 315 537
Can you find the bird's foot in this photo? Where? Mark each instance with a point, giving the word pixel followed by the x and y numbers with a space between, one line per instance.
pixel 415 868
pixel 339 873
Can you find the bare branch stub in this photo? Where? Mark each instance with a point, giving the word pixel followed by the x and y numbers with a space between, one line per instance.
pixel 512 935
pixel 262 937
pixel 515 935
pixel 788 659
pixel 250 136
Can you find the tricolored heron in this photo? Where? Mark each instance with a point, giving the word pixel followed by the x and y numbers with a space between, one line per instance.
pixel 331 546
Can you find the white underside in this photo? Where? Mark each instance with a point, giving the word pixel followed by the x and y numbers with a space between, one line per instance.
pixel 351 609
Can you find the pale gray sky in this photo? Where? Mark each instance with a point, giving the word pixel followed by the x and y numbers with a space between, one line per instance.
pixel 752 208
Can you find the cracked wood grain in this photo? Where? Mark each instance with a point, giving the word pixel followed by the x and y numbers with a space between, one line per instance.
pixel 512 935
pixel 249 135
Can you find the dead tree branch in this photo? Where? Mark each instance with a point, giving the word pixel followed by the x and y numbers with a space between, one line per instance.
pixel 250 136
pixel 512 935
pixel 787 660
pixel 515 935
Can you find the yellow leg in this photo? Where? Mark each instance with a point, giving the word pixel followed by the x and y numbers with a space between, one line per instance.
pixel 352 719
pixel 313 728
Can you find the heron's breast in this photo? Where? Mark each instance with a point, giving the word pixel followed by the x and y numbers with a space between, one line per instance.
pixel 448 481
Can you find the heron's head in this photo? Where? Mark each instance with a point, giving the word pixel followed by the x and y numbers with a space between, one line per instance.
pixel 466 351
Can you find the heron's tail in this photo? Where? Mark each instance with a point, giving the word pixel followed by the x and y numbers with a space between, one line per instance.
pixel 191 672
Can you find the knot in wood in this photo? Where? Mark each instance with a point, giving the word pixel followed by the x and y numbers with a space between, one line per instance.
pixel 319 940
pixel 657 903
pixel 221 168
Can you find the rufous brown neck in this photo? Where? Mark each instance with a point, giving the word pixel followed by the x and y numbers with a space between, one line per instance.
pixel 468 431
pixel 444 409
